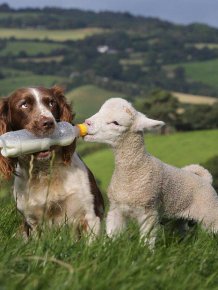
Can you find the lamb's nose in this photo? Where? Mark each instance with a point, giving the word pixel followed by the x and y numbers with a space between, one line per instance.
pixel 88 122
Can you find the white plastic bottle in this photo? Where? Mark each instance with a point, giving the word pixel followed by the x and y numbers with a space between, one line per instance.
pixel 23 142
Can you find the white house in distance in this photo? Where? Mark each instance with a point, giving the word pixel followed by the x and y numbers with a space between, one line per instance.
pixel 103 48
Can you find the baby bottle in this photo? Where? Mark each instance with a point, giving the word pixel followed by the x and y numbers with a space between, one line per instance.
pixel 22 142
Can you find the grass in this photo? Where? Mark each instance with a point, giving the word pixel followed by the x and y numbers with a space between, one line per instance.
pixel 177 149
pixel 91 95
pixel 43 34
pixel 58 261
pixel 31 48
pixel 9 84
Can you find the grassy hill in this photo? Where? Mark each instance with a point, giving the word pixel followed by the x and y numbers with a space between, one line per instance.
pixel 88 99
pixel 179 149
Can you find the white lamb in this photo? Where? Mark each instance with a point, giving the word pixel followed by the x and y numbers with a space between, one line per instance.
pixel 142 186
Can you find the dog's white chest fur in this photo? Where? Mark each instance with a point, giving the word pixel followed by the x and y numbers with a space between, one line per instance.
pixel 64 192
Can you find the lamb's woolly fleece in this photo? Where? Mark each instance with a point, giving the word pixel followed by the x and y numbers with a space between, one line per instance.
pixel 143 186
pixel 201 171
pixel 141 180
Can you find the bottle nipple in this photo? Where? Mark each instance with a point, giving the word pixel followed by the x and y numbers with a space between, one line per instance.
pixel 83 130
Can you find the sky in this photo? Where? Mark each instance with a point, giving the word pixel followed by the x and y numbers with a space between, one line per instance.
pixel 177 11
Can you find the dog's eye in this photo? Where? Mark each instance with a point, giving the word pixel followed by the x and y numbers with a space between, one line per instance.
pixel 51 103
pixel 24 105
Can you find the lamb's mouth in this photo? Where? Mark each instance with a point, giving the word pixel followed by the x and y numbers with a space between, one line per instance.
pixel 89 136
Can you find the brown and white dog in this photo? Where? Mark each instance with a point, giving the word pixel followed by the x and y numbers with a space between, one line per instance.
pixel 63 192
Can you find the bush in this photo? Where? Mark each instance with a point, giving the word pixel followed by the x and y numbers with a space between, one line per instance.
pixel 198 117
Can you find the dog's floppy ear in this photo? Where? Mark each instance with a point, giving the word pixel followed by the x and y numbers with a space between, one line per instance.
pixel 143 123
pixel 6 164
pixel 65 111
pixel 65 114
pixel 4 113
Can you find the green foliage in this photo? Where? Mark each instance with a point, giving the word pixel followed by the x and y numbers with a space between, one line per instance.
pixel 160 105
pixel 200 117
pixel 108 66
pixel 163 106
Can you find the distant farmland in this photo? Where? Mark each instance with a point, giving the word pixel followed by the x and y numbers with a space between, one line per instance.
pixel 31 48
pixel 194 99
pixel 56 35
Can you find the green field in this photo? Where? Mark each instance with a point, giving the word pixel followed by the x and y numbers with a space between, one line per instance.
pixel 57 261
pixel 43 34
pixel 88 99
pixel 31 48
pixel 203 71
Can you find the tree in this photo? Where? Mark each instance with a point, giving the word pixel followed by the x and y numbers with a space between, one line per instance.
pixel 108 66
pixel 5 8
pixel 198 117
pixel 160 105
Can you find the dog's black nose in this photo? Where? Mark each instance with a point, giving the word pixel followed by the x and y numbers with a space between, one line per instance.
pixel 47 123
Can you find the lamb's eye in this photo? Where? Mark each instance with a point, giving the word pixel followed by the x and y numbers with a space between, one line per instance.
pixel 116 123
pixel 24 105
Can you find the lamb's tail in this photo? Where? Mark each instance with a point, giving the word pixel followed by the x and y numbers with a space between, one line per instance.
pixel 200 171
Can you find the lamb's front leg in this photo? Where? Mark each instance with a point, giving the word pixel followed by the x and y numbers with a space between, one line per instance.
pixel 115 221
pixel 148 222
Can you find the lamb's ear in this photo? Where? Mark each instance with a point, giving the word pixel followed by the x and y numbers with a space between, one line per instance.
pixel 142 123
